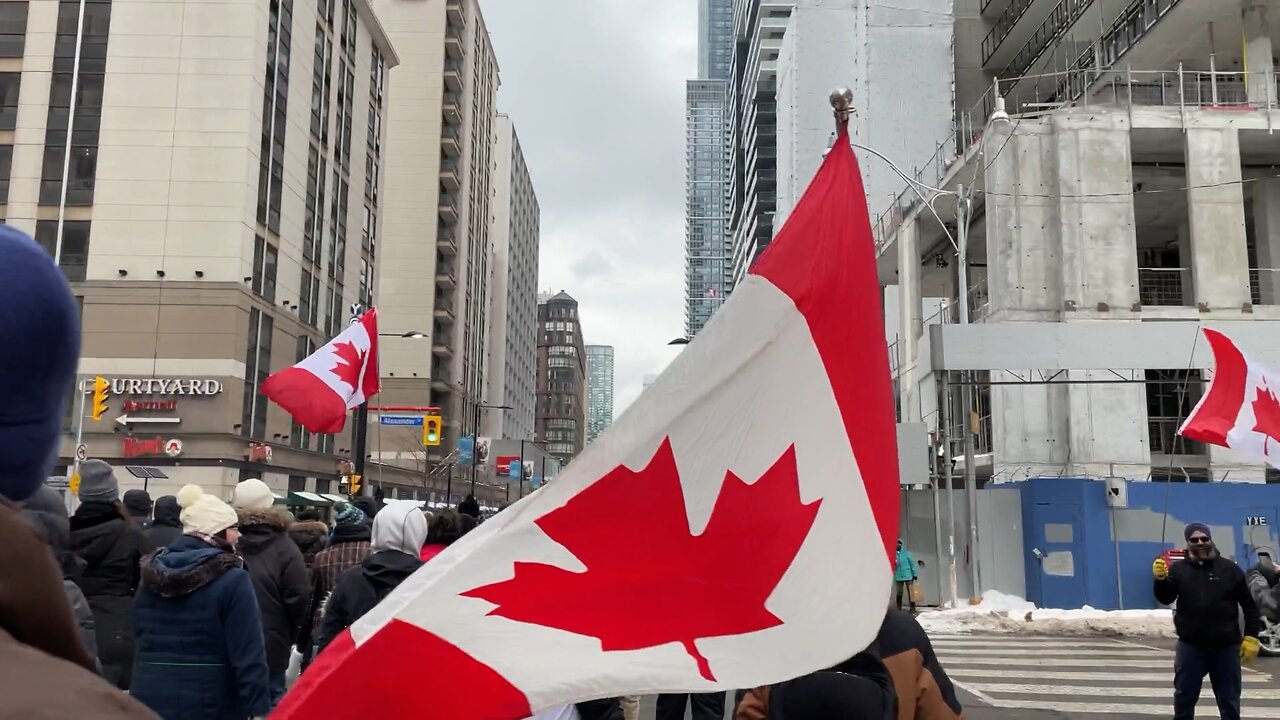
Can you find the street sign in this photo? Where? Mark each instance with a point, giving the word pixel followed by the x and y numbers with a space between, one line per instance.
pixel 59 482
pixel 125 420
pixel 82 452
pixel 400 420
pixel 173 448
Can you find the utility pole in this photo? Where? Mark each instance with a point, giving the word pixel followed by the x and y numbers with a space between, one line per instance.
pixel 945 426
pixel 966 386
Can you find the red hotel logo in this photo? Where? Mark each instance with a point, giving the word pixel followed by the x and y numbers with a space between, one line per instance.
pixel 135 447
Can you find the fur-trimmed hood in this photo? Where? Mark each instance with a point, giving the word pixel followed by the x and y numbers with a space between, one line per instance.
pixel 310 536
pixel 186 566
pixel 271 517
pixel 261 528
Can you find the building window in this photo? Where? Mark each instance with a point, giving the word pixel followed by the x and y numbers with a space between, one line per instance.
pixel 89 89
pixel 13 29
pixel 75 245
pixel 309 298
pixel 297 483
pixel 265 261
pixel 257 366
pixel 275 104
pixel 320 84
pixel 6 166
pixel 10 82
pixel 80 175
pixel 299 436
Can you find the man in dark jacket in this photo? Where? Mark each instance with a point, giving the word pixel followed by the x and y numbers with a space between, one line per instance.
pixel 166 526
pixel 398 533
pixel 1210 592
pixel 279 574
pixel 47 512
pixel 469 506
pixel 111 547
pixel 138 504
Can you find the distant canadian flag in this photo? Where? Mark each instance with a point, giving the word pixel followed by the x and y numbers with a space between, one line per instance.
pixel 733 528
pixel 320 390
pixel 1241 410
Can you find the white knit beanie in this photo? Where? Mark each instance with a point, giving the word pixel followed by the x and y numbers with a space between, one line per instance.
pixel 204 513
pixel 253 494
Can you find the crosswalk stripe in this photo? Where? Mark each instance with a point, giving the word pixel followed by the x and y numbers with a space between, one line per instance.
pixel 949 659
pixel 1030 639
pixel 1113 653
pixel 1248 713
pixel 1050 647
pixel 1164 693
pixel 1166 678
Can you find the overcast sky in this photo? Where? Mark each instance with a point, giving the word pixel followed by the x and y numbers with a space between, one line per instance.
pixel 595 89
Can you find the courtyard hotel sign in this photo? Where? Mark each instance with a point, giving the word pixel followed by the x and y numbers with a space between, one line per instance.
pixel 169 387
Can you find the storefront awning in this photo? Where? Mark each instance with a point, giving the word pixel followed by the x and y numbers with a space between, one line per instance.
pixel 305 499
pixel 335 498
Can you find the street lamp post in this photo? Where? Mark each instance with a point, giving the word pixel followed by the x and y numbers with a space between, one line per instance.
pixel 360 432
pixel 540 444
pixel 475 439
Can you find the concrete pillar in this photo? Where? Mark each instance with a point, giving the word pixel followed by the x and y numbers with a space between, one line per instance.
pixel 1023 253
pixel 1219 249
pixel 1185 261
pixel 909 316
pixel 1029 429
pixel 1108 426
pixel 1257 52
pixel 1266 237
pixel 1095 217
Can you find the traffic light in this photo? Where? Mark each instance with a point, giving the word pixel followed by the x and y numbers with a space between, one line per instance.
pixel 100 390
pixel 431 426
pixel 354 486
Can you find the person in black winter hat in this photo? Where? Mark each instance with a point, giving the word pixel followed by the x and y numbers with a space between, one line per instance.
pixel 138 504
pixel 47 511
pixel 1211 593
pixel 166 526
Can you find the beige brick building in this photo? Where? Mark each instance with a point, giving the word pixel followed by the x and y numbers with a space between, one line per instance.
pixel 218 218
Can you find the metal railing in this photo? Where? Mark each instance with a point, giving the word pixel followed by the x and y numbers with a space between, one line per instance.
pixel 979 300
pixel 1264 286
pixel 1060 19
pixel 1164 286
pixel 1162 434
pixel 1003 26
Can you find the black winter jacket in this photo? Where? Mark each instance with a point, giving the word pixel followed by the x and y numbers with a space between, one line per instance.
pixel 111 548
pixel 280 580
pixel 606 709
pixel 360 589
pixel 1210 594
pixel 167 525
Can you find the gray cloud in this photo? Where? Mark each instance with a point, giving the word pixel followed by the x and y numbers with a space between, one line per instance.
pixel 596 91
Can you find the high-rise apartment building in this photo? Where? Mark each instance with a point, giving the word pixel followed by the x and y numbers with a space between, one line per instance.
pixel 758 27
pixel 599 389
pixel 436 245
pixel 707 166
pixel 215 226
pixel 513 331
pixel 562 377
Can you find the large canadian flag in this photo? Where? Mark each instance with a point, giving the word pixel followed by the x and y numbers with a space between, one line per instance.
pixel 320 389
pixel 1241 410
pixel 733 528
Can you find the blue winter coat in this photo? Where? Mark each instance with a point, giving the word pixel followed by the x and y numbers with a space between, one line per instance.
pixel 200 654
pixel 904 570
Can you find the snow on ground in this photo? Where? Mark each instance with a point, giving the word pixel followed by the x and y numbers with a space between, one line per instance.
pixel 1000 613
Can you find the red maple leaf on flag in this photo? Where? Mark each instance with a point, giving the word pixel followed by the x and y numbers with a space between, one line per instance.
pixel 350 362
pixel 649 580
pixel 1266 415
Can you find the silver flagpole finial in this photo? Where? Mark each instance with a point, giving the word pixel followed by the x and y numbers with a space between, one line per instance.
pixel 842 102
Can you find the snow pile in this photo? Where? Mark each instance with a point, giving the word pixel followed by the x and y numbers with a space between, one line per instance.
pixel 1001 613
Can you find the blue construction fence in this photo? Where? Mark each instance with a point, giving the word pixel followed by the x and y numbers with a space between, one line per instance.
pixel 1080 550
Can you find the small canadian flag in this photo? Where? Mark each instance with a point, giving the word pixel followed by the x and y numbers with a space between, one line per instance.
pixel 320 390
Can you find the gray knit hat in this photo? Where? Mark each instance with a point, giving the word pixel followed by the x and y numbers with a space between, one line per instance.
pixel 98 482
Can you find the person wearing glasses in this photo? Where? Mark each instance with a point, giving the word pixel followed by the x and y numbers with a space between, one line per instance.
pixel 1211 592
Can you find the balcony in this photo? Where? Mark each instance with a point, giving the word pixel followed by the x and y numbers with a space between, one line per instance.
pixel 446 275
pixel 1264 286
pixel 1060 19
pixel 449 175
pixel 451 104
pixel 448 208
pixel 441 344
pixel 444 309
pixel 455 15
pixel 453 74
pixel 446 241
pixel 1164 287
pixel 449 141
pixel 1012 27
pixel 453 41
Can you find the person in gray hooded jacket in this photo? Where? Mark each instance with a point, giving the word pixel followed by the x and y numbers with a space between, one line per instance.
pixel 47 512
pixel 398 533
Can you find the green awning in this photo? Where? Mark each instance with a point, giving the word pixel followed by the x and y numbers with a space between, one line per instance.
pixel 304 499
